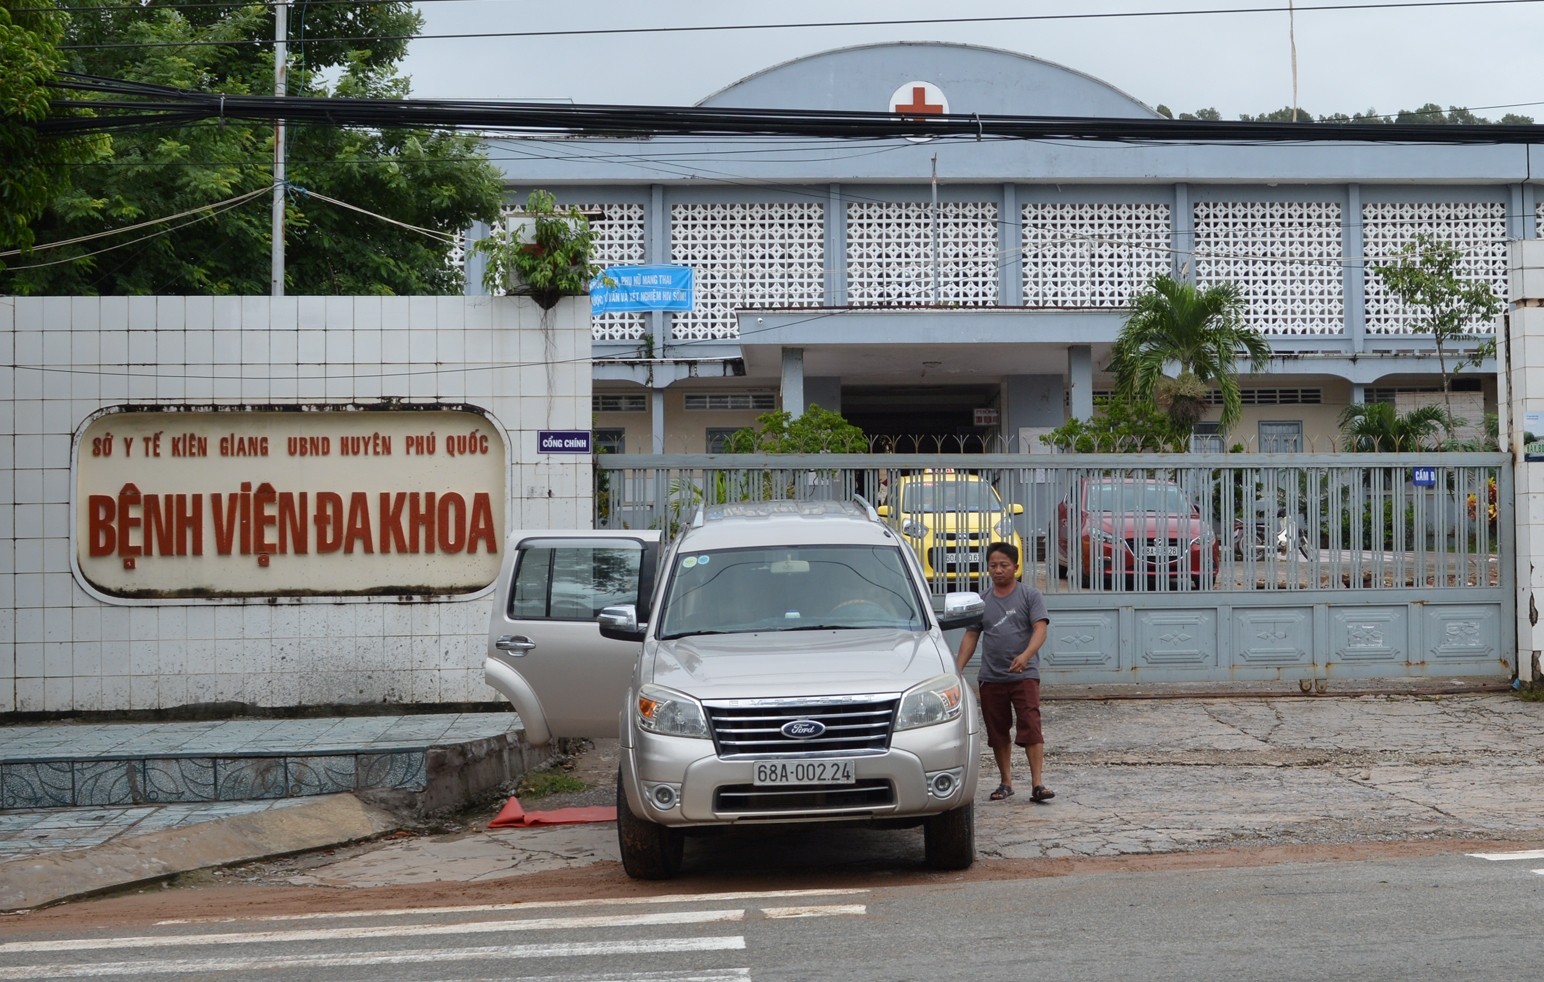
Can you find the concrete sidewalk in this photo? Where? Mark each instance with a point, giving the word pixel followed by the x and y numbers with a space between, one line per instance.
pixel 1134 774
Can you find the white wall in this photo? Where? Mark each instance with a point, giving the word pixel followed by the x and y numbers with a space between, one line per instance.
pixel 1525 389
pixel 65 648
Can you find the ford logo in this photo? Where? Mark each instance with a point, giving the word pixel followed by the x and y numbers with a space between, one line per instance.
pixel 803 729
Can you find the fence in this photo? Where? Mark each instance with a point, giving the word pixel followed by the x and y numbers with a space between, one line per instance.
pixel 1099 523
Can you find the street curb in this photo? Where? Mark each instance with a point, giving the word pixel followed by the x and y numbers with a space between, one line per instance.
pixel 329 820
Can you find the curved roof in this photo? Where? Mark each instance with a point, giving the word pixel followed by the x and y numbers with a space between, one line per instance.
pixel 973 78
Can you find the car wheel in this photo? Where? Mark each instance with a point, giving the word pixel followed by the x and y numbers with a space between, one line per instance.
pixel 949 839
pixel 650 851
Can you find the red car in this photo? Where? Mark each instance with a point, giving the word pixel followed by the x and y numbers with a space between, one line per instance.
pixel 1114 529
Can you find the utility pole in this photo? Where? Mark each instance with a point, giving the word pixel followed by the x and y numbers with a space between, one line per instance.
pixel 280 87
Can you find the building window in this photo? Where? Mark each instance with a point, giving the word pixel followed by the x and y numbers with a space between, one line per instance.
pixel 716 401
pixel 611 440
pixel 718 437
pixel 1281 436
pixel 609 402
pixel 1206 438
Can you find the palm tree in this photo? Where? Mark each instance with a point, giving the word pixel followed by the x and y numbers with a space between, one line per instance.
pixel 1200 330
pixel 1376 427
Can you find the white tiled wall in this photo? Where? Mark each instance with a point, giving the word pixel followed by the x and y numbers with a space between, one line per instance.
pixel 61 649
pixel 1525 384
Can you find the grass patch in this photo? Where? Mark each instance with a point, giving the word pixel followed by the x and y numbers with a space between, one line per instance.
pixel 539 784
pixel 1533 693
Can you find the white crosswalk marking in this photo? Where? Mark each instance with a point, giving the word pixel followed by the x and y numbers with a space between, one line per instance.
pixel 285 948
pixel 1528 854
pixel 674 898
pixel 266 963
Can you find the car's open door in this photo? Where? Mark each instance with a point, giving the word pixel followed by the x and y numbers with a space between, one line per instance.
pixel 545 651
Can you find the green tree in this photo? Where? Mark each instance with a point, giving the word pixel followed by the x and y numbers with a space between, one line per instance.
pixel 1286 114
pixel 34 167
pixel 816 431
pixel 549 263
pixel 423 179
pixel 1377 427
pixel 1120 427
pixel 1202 332
pixel 1425 276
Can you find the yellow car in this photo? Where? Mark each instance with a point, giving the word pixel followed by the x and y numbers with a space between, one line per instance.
pixel 950 518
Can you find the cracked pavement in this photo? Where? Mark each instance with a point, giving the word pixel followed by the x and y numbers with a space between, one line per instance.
pixel 1132 778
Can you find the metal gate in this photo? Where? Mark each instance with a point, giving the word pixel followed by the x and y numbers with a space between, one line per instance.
pixel 1169 568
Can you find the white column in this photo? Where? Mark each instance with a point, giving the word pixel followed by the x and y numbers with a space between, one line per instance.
pixel 1524 364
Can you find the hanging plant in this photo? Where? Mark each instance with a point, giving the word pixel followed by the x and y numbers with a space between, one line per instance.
pixel 543 254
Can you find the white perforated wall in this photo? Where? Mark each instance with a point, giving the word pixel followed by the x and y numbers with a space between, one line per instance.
pixel 1092 255
pixel 1285 257
pixel 891 260
pixel 1478 228
pixel 768 254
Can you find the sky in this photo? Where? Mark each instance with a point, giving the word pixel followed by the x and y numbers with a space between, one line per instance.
pixel 1482 55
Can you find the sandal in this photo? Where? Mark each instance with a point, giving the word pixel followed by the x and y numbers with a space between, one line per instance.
pixel 1041 793
pixel 1003 791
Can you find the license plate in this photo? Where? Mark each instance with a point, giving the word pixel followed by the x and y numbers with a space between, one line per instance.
pixel 803 772
pixel 967 558
pixel 1163 552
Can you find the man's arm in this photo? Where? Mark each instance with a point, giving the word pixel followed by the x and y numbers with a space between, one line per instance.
pixel 967 648
pixel 1036 639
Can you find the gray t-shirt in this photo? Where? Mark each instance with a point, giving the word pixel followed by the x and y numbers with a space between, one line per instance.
pixel 1005 631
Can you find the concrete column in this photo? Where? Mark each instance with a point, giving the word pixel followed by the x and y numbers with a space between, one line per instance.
pixel 657 418
pixel 1183 235
pixel 1080 381
pixel 1354 279
pixel 793 382
pixel 1523 360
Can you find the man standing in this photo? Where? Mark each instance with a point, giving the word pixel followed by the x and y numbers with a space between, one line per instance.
pixel 1011 633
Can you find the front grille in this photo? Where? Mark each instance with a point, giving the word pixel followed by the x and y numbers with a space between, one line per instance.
pixel 741 799
pixel 754 727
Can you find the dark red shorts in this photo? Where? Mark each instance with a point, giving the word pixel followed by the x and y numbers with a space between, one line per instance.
pixel 1002 702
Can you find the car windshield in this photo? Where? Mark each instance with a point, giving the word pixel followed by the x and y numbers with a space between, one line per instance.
pixel 950 496
pixel 782 589
pixel 1131 497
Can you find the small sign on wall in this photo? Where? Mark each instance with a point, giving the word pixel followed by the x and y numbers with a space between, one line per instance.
pixel 986 417
pixel 563 441
pixel 1424 477
pixel 1533 436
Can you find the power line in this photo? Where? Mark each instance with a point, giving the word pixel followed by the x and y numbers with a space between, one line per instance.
pixel 823 25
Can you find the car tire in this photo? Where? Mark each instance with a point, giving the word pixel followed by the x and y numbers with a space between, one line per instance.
pixel 949 838
pixel 650 851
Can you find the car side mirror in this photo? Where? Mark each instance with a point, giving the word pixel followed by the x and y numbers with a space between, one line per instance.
pixel 883 511
pixel 1018 509
pixel 961 610
pixel 620 623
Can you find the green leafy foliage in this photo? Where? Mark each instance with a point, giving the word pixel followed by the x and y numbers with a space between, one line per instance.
pixel 1202 332
pixel 35 168
pixel 1120 427
pixel 424 179
pixel 552 262
pixel 1377 427
pixel 1426 277
pixel 816 431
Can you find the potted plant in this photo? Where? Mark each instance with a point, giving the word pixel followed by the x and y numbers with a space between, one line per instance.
pixel 543 253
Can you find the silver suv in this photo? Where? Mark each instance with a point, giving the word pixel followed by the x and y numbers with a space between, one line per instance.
pixel 792 670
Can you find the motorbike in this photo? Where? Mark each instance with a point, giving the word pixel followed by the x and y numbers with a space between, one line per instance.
pixel 1258 538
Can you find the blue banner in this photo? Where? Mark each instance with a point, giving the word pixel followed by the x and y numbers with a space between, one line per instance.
pixel 628 289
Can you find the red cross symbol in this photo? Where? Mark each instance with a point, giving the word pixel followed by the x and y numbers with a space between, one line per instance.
pixel 919 104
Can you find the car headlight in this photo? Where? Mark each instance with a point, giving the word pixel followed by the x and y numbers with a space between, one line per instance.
pixel 1103 535
pixel 666 711
pixel 1004 528
pixel 913 528
pixel 937 700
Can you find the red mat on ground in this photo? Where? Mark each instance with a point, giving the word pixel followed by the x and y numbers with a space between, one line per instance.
pixel 514 816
